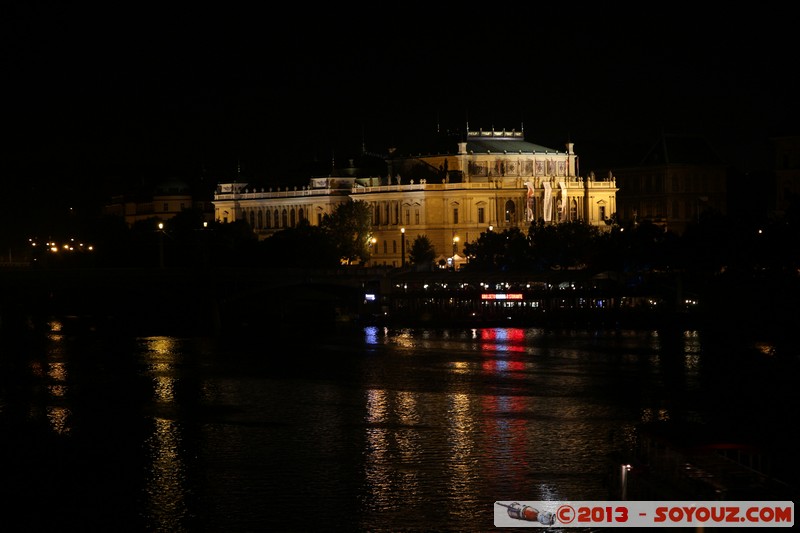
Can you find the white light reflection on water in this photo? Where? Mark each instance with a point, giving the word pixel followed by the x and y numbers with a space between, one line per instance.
pixel 460 459
pixel 161 360
pixel 57 415
pixel 166 484
pixel 409 449
pixel 58 418
pixel 377 461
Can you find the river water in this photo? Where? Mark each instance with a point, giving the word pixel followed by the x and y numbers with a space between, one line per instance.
pixel 355 429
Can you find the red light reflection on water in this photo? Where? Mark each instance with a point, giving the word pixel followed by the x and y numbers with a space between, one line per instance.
pixel 506 423
pixel 510 340
pixel 506 434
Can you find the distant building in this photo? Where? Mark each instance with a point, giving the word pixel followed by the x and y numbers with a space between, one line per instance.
pixel 458 189
pixel 163 202
pixel 786 165
pixel 679 178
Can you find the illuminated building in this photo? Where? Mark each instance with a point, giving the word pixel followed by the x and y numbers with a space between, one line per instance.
pixel 490 181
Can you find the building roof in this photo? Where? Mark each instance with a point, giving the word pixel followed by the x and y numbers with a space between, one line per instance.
pixel 172 185
pixel 503 141
pixel 481 142
pixel 681 150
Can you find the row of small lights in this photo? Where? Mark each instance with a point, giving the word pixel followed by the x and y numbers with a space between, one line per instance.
pixel 71 246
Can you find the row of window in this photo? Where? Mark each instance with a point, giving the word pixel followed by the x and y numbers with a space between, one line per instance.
pixel 677 209
pixel 266 219
pixel 388 210
pixel 655 184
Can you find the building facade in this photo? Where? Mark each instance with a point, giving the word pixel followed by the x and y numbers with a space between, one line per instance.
pixel 677 180
pixel 786 165
pixel 489 181
pixel 167 199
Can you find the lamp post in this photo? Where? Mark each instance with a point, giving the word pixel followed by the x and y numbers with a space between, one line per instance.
pixel 161 245
pixel 204 244
pixel 402 247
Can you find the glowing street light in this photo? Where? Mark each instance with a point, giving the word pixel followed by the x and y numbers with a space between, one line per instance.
pixel 455 250
pixel 372 242
pixel 161 245
pixel 402 247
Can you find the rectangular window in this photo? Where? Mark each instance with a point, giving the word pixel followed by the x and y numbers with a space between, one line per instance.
pixel 602 212
pixel 481 218
pixel 416 216
pixel 166 207
pixel 394 247
pixel 455 215
pixel 408 217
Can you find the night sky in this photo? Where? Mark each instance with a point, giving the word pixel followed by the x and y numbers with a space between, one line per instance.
pixel 99 97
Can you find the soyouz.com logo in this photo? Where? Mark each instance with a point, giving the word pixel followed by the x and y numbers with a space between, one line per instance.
pixel 644 514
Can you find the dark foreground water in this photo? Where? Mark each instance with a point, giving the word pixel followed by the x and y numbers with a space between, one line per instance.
pixel 364 429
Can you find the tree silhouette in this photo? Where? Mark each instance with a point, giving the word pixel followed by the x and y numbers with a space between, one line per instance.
pixel 422 253
pixel 349 227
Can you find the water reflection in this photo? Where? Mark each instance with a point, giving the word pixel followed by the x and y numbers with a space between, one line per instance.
pixel 461 437
pixel 166 482
pixel 377 429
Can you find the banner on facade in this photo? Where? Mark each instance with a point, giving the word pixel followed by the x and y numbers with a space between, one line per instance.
pixel 548 201
pixel 529 205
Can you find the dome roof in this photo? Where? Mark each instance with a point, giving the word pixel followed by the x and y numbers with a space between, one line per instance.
pixel 172 185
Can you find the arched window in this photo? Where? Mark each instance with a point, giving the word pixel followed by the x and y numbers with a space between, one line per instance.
pixel 276 218
pixel 260 219
pixel 300 215
pixel 284 219
pixel 269 219
pixel 292 218
pixel 573 210
pixel 252 219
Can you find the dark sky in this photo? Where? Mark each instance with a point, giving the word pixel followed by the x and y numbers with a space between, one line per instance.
pixel 104 95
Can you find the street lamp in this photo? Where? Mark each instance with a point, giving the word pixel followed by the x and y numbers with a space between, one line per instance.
pixel 402 247
pixel 161 245
pixel 372 242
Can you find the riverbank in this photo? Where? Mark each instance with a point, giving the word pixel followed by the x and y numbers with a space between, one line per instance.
pixel 238 301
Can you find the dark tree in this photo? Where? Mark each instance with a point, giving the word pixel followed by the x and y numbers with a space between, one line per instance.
pixel 349 227
pixel 564 245
pixel 422 253
pixel 304 246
